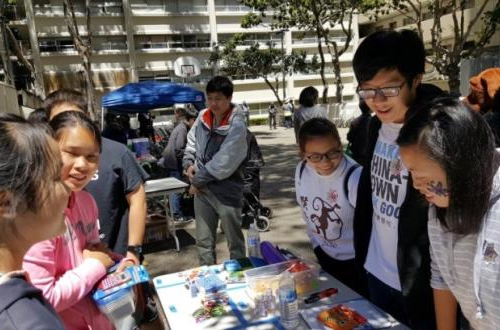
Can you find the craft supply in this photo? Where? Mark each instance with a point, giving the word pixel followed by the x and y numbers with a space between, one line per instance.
pixel 341 317
pixel 320 295
pixel 232 265
pixel 270 253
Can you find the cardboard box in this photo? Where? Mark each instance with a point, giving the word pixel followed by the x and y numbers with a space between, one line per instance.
pixel 156 231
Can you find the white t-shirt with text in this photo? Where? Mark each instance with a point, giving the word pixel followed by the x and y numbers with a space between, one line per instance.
pixel 389 180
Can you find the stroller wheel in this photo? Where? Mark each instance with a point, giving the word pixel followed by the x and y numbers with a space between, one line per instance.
pixel 262 223
pixel 266 211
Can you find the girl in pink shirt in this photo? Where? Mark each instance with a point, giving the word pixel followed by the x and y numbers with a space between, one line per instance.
pixel 67 268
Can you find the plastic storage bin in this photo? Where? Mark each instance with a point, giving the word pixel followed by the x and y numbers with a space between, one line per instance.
pixel 118 304
pixel 140 147
pixel 268 277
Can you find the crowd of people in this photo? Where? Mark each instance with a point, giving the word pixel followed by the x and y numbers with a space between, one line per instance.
pixel 411 221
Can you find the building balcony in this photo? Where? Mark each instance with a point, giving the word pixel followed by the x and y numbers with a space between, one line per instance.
pixel 314 41
pixel 167 10
pixel 231 9
pixel 155 47
pixel 54 49
pixel 109 9
pixel 15 14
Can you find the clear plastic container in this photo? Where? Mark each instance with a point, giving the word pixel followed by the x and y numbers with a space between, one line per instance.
pixel 268 277
pixel 118 304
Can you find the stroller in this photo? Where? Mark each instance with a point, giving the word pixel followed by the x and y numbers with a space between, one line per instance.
pixel 253 211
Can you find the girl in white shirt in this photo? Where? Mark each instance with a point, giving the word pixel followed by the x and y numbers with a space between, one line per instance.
pixel 326 187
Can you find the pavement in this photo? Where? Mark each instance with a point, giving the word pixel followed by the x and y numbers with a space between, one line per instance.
pixel 287 228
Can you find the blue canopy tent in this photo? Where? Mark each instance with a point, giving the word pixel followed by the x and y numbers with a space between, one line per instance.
pixel 148 95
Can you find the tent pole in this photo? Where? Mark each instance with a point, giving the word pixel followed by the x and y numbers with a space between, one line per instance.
pixel 102 118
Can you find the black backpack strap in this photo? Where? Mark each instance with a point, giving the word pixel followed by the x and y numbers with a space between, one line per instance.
pixel 346 179
pixel 302 167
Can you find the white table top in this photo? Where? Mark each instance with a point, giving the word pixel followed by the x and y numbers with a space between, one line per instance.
pixel 178 305
pixel 165 185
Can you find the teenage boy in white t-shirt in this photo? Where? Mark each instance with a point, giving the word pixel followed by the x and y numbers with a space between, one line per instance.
pixel 390 222
pixel 326 183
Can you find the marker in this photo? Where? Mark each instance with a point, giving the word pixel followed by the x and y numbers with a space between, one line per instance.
pixel 320 295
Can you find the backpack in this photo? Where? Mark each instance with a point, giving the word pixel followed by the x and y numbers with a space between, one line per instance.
pixel 346 178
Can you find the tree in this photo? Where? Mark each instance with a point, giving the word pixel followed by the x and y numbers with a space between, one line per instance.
pixel 319 16
pixel 469 37
pixel 84 48
pixel 12 45
pixel 264 63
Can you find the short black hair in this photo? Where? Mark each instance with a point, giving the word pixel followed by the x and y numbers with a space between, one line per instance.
pixel 402 50
pixel 316 128
pixel 308 97
pixel 220 84
pixel 460 141
pixel 65 95
pixel 69 119
pixel 38 116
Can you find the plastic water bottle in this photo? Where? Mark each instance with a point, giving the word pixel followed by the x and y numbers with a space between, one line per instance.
pixel 289 309
pixel 253 242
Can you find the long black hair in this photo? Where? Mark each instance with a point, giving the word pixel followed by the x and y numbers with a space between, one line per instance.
pixel 461 142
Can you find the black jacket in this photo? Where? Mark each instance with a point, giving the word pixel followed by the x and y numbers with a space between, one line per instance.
pixel 23 307
pixel 413 256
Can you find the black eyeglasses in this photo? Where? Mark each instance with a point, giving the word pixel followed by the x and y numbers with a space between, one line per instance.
pixel 330 155
pixel 371 93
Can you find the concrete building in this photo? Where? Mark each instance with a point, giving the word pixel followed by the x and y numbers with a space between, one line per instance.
pixel 396 20
pixel 136 40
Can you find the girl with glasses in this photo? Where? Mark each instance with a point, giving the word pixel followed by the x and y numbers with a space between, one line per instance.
pixel 326 185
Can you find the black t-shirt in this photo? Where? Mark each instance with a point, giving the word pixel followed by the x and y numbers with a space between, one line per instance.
pixel 119 174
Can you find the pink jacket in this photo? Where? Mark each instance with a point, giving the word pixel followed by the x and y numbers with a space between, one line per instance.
pixel 57 267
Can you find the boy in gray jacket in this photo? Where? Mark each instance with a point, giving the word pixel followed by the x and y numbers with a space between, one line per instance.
pixel 215 151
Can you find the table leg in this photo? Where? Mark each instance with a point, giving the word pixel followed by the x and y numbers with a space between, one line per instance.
pixel 171 223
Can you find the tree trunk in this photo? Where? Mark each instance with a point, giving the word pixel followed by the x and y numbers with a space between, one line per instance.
pixel 453 73
pixel 322 68
pixel 274 90
pixel 338 78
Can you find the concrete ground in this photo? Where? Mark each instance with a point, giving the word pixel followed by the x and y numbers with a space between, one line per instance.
pixel 287 228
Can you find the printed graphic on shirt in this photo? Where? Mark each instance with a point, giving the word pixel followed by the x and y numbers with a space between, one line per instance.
pixel 327 222
pixel 388 177
pixel 303 201
pixel 489 254
pixel 85 229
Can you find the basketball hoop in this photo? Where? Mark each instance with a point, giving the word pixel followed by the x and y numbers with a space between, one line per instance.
pixel 187 67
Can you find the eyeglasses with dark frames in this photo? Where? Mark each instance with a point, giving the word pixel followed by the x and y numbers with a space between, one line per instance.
pixel 330 155
pixel 371 93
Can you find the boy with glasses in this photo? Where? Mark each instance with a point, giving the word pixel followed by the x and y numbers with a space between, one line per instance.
pixel 325 186
pixel 390 222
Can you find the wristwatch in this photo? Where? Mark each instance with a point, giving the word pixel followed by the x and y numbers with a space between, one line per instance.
pixel 136 250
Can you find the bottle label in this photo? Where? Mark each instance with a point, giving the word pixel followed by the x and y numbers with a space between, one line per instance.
pixel 254 241
pixel 287 296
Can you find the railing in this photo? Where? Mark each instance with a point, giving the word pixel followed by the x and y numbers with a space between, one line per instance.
pixel 95 9
pixel 232 8
pixel 173 44
pixel 111 46
pixel 314 40
pixel 53 48
pixel 152 9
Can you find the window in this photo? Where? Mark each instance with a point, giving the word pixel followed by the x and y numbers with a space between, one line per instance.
pixel 393 25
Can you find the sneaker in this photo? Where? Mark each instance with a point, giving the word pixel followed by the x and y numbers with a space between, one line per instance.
pixel 182 220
